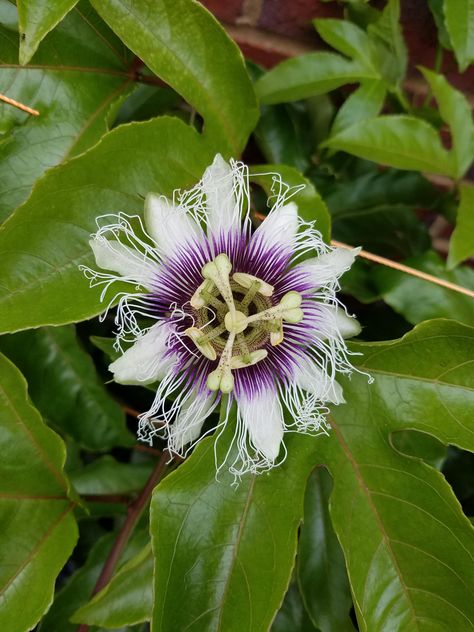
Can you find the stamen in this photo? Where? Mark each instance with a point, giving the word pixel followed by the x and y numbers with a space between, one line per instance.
pixel 204 347
pixel 247 280
pixel 197 300
pixel 242 361
pixel 276 332
pixel 288 309
pixel 250 294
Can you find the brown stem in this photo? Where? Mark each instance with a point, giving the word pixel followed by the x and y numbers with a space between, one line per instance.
pixel 135 510
pixel 17 104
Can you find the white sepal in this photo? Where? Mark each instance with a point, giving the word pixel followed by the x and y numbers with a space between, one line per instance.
pixel 132 265
pixel 328 267
pixel 262 417
pixel 169 226
pixel 223 213
pixel 191 417
pixel 280 227
pixel 144 361
pixel 309 377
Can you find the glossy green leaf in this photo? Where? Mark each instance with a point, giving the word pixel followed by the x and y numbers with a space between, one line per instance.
pixel 226 552
pixel 45 241
pixel 322 574
pixel 78 589
pixel 308 75
pixel 63 384
pixel 79 71
pixel 38 527
pixel 36 19
pixel 184 45
pixel 459 16
pixel 292 616
pixel 108 476
pixel 408 547
pixel 364 103
pixel 126 600
pixel 420 300
pixel 461 245
pixel 311 206
pixel 456 112
pixel 400 141
pixel 420 445
pixel 348 39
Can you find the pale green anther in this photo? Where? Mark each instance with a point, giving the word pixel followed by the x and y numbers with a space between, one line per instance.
pixel 288 309
pixel 276 333
pixel 205 348
pixel 218 272
pixel 247 280
pixel 242 361
pixel 197 300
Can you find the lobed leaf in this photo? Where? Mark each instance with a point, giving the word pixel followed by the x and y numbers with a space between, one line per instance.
pixel 461 245
pixel 459 16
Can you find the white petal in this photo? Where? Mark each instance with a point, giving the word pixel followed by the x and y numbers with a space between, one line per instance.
pixel 347 325
pixel 169 226
pixel 330 266
pixel 263 418
pixel 221 203
pixel 279 228
pixel 144 361
pixel 312 379
pixel 111 254
pixel 333 320
pixel 189 422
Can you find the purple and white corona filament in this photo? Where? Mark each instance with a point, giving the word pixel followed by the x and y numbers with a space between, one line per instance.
pixel 216 307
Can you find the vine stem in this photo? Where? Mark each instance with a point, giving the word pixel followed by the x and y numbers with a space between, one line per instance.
pixel 402 268
pixel 135 510
pixel 17 104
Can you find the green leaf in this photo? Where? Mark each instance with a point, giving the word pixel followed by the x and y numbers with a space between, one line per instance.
pixel 38 527
pixel 78 589
pixel 387 30
pixel 461 245
pixel 79 71
pixel 322 575
pixel 36 19
pixel 364 103
pixel 108 476
pixel 419 300
pixel 184 45
pixel 348 39
pixel 126 600
pixel 420 445
pixel 456 112
pixel 292 616
pixel 399 141
pixel 46 240
pixel 308 75
pixel 226 552
pixel 311 207
pixel 459 15
pixel 408 547
pixel 63 384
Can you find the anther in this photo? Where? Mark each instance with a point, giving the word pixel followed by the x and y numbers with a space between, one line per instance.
pixel 288 309
pixel 204 347
pixel 197 300
pixel 248 280
pixel 218 272
pixel 222 378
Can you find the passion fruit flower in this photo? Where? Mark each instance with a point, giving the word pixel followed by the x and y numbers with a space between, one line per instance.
pixel 219 308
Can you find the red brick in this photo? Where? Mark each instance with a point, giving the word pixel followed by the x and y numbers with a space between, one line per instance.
pixel 225 10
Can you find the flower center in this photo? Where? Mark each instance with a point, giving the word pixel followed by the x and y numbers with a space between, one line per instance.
pixel 235 318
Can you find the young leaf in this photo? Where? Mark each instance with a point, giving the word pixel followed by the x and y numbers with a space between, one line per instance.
pixel 108 476
pixel 126 600
pixel 387 29
pixel 308 75
pixel 79 71
pixel 399 141
pixel 46 239
pixel 406 542
pixel 418 300
pixel 364 103
pixel 321 568
pixel 459 16
pixel 63 384
pixel 461 245
pixel 36 19
pixel 38 527
pixel 456 112
pixel 184 45
pixel 348 39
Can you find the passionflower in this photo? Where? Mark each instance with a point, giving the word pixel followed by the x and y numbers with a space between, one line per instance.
pixel 219 309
